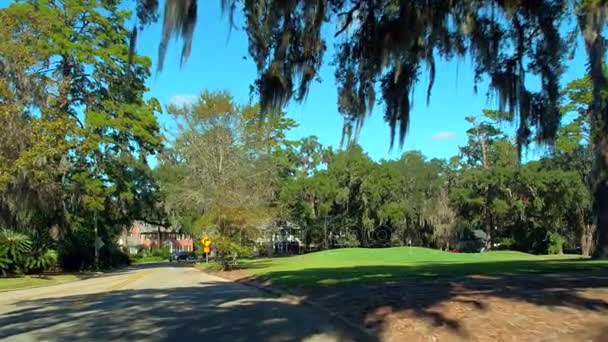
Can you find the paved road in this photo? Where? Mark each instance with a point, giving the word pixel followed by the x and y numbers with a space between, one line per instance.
pixel 161 302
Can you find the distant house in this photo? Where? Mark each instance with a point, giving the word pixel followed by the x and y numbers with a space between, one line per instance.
pixel 282 237
pixel 146 235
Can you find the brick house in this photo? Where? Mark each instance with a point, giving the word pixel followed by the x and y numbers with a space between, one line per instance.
pixel 145 235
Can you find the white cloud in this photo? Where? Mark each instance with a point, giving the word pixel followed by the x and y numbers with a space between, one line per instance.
pixel 444 136
pixel 183 99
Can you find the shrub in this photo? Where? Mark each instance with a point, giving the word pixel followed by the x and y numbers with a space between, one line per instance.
pixel 76 251
pixel 110 256
pixel 143 252
pixel 41 259
pixel 470 246
pixel 263 249
pixel 19 255
pixel 472 241
pixel 161 252
pixel 556 243
pixel 5 263
pixel 396 239
pixel 14 247
pixel 228 252
pixel 506 244
pixel 348 240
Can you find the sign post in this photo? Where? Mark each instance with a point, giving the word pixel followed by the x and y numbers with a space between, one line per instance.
pixel 206 241
pixel 97 244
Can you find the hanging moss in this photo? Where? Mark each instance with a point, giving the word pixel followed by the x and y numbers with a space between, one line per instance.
pixel 383 45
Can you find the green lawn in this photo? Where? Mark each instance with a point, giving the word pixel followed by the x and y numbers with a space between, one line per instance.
pixel 148 259
pixel 362 265
pixel 27 281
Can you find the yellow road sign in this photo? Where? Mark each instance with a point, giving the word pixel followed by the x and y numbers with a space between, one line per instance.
pixel 206 241
pixel 207 249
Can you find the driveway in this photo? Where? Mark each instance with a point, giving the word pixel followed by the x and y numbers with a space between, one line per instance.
pixel 158 302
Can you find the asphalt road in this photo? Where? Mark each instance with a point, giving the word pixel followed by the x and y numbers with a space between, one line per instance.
pixel 161 302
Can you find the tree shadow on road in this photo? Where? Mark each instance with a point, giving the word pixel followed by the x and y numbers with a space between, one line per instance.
pixel 215 311
pixel 368 295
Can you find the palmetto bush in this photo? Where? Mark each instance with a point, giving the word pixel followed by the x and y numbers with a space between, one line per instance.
pixel 41 259
pixel 19 255
pixel 14 248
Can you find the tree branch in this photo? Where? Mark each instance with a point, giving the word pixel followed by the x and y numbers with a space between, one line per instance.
pixel 349 17
pixel 75 116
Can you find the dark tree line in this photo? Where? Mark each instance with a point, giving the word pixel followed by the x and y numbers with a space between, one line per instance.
pixel 536 207
pixel 75 130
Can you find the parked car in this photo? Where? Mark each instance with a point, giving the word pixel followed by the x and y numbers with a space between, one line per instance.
pixel 179 256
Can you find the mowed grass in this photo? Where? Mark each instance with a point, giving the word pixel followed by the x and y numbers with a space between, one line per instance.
pixel 148 259
pixel 28 281
pixel 363 265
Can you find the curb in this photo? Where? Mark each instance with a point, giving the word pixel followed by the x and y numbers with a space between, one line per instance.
pixel 303 300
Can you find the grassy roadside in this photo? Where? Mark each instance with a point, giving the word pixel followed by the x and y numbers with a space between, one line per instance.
pixel 15 283
pixel 369 266
pixel 211 267
pixel 147 259
pixel 36 280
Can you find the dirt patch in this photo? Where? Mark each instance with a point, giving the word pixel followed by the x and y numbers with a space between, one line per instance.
pixel 231 275
pixel 552 307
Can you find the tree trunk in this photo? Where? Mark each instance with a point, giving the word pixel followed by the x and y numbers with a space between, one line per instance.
pixel 490 232
pixel 270 246
pixel 489 218
pixel 484 148
pixel 484 153
pixel 601 207
pixel 587 239
pixel 592 23
pixel 159 242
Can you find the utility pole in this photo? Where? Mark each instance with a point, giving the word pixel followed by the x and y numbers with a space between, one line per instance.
pixel 96 242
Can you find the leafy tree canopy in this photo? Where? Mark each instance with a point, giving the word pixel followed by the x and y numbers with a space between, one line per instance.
pixel 76 130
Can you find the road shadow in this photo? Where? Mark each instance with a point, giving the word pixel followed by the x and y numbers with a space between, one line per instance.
pixel 367 295
pixel 215 311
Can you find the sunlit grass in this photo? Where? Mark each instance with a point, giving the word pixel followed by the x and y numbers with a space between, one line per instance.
pixel 372 265
pixel 27 281
pixel 147 259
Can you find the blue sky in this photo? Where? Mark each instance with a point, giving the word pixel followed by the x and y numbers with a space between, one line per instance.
pixel 216 62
